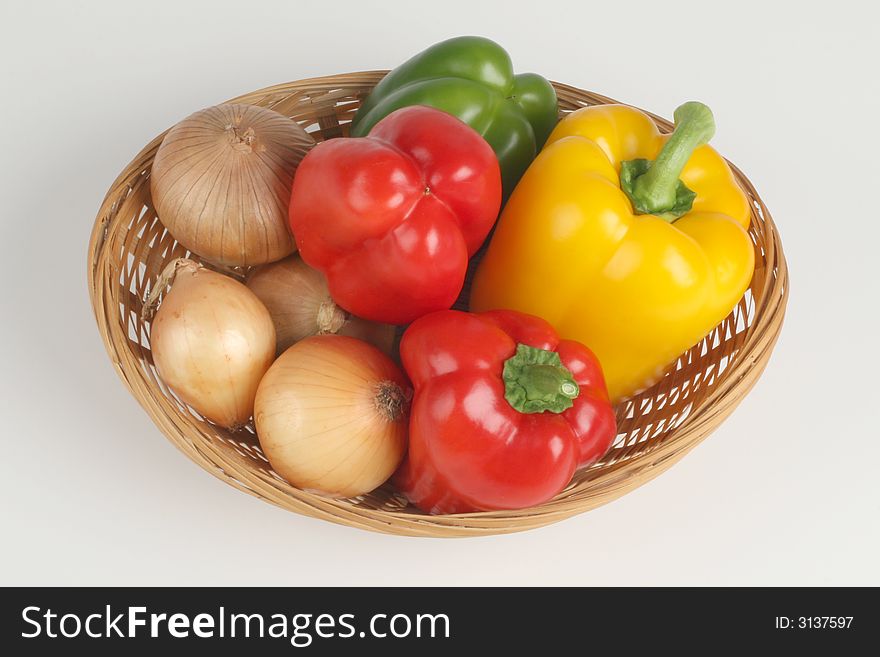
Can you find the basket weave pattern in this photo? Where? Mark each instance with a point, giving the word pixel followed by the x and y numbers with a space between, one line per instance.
pixel 129 248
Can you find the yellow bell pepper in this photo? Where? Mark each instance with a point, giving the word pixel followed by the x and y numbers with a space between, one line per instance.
pixel 631 242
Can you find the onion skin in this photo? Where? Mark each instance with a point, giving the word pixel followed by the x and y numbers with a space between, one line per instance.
pixel 300 304
pixel 332 415
pixel 221 183
pixel 212 341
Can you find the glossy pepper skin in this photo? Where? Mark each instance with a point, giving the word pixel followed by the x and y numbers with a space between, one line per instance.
pixel 470 449
pixel 471 78
pixel 640 289
pixel 391 219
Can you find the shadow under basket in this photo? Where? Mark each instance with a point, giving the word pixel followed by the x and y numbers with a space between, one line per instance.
pixel 129 248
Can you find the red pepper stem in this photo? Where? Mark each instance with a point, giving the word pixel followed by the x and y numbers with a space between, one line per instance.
pixel 535 380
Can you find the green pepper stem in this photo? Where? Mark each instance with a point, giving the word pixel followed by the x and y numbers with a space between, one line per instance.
pixel 657 190
pixel 535 380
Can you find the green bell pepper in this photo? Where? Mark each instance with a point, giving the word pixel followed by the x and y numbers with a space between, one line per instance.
pixel 472 78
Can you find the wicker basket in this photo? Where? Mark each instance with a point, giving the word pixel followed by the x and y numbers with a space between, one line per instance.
pixel 129 248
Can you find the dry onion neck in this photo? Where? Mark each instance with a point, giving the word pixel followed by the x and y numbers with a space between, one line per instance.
pixel 241 140
pixel 330 318
pixel 391 400
pixel 165 279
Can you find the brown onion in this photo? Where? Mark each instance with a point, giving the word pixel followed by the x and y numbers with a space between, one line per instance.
pixel 300 304
pixel 212 340
pixel 221 183
pixel 331 415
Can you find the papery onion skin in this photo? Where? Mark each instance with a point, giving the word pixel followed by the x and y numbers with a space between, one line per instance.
pixel 221 182
pixel 212 340
pixel 331 415
pixel 300 304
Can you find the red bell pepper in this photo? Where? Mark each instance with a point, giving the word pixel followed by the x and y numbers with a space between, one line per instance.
pixel 392 218
pixel 503 411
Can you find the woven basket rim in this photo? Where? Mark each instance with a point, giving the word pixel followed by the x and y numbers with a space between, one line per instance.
pixel 612 482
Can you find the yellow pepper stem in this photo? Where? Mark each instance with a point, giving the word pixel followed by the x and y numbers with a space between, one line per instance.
pixel 655 187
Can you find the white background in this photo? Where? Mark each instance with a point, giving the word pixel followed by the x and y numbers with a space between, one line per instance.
pixel 785 492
